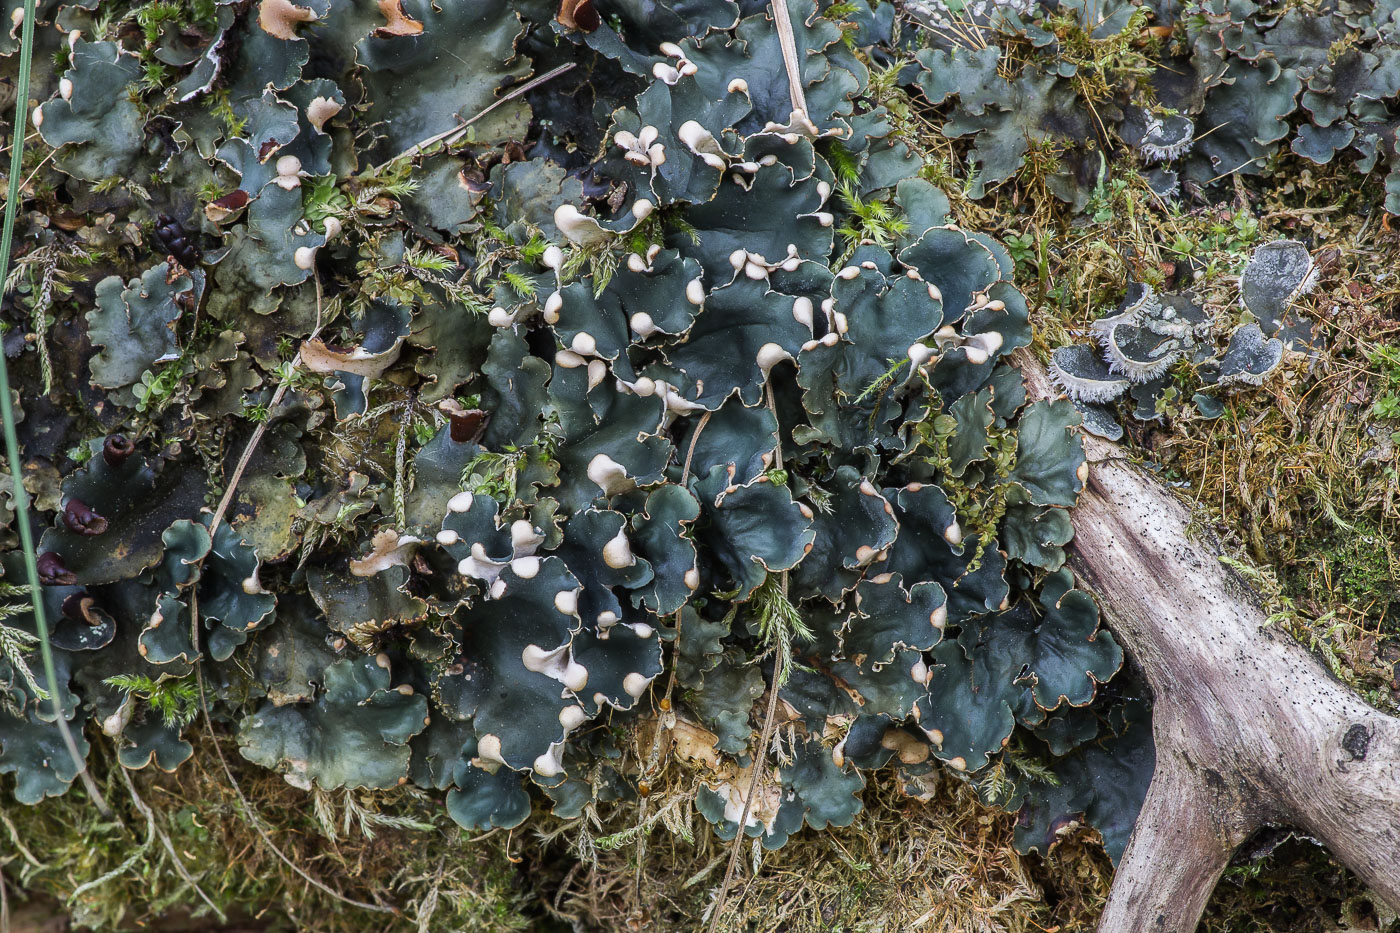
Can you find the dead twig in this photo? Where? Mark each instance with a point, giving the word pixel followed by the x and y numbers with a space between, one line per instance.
pixel 448 137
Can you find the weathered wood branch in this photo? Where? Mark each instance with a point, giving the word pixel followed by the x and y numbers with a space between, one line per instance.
pixel 1250 729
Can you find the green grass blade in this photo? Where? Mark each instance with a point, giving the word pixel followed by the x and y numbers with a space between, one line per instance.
pixel 21 497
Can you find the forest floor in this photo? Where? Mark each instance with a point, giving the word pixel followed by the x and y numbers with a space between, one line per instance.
pixel 1298 478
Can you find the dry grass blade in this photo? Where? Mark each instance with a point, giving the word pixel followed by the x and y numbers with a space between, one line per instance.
pixel 253 819
pixel 782 20
pixel 195 641
pixel 781 660
pixel 759 767
pixel 165 842
pixel 448 137
pixel 654 758
pixel 258 432
pixel 12 452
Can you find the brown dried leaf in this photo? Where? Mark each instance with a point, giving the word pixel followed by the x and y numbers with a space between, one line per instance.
pixel 387 549
pixel 279 18
pixel 400 24
pixel 319 358
pixel 579 14
pixel 226 206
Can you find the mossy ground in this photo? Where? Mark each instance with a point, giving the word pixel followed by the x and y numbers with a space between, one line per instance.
pixel 945 863
pixel 387 849
pixel 1299 478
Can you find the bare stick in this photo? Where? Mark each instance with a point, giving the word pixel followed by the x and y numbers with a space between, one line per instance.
pixel 261 429
pixel 1250 729
pixel 252 815
pixel 448 137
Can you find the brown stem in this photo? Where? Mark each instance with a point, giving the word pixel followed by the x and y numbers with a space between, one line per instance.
pixel 760 760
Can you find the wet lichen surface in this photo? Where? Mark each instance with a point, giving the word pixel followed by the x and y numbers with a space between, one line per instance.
pixel 495 427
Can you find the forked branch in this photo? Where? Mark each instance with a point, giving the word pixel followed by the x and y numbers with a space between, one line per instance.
pixel 1250 729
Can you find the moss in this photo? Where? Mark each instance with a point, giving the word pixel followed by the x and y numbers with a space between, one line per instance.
pixel 946 863
pixel 948 859
pixel 941 864
pixel 393 849
pixel 1264 895
pixel 1361 568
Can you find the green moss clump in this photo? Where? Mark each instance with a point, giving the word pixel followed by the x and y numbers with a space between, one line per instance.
pixel 392 849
